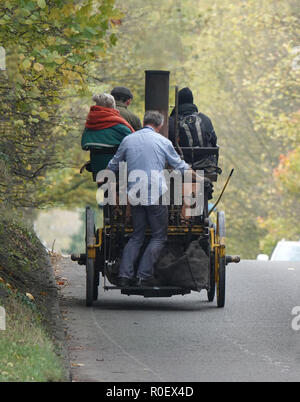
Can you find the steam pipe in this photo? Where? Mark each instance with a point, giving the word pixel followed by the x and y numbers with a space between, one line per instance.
pixel 157 95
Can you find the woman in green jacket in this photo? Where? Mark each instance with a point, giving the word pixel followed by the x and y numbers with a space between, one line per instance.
pixel 104 131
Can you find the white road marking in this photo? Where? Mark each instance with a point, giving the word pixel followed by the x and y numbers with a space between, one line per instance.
pixel 284 367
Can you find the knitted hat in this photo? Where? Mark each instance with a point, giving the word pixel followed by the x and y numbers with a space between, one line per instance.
pixel 185 95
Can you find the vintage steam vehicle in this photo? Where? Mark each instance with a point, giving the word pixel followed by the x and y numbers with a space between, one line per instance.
pixel 105 243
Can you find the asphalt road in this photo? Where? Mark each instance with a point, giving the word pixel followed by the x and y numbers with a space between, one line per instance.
pixel 185 338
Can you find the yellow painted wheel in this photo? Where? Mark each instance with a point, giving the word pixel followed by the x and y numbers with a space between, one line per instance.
pixel 220 259
pixel 212 280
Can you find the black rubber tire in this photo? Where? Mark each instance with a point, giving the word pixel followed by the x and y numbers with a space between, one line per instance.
pixel 212 280
pixel 90 282
pixel 98 266
pixel 90 265
pixel 96 285
pixel 221 288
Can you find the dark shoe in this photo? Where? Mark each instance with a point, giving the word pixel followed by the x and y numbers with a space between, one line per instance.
pixel 149 282
pixel 134 281
pixel 123 282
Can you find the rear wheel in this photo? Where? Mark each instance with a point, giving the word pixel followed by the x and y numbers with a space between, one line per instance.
pixel 90 285
pixel 221 283
pixel 211 292
pixel 221 259
pixel 212 282
pixel 212 273
pixel 91 277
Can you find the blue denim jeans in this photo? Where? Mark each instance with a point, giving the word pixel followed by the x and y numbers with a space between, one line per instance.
pixel 157 217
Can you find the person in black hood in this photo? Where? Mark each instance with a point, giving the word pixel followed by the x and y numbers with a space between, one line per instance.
pixel 195 129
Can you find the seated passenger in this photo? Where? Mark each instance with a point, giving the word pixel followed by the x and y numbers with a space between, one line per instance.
pixel 104 129
pixel 123 98
pixel 195 129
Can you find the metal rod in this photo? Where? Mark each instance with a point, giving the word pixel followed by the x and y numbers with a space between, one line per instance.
pixel 222 192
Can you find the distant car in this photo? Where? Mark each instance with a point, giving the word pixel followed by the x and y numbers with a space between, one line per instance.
pixel 284 251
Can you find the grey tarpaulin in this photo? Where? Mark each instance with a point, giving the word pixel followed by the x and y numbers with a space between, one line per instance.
pixel 190 270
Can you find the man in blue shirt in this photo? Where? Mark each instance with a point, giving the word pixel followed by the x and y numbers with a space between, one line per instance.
pixel 146 153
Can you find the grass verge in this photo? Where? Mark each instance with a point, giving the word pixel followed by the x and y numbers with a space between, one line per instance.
pixel 26 352
pixel 29 349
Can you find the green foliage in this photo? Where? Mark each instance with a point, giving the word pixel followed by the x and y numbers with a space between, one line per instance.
pixel 248 86
pixel 161 47
pixel 19 249
pixel 239 58
pixel 49 45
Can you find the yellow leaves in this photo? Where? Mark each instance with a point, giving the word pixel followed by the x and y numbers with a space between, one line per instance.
pixel 288 171
pixel 38 67
pixel 77 365
pixel 52 37
pixel 65 80
pixel 41 3
pixel 1 280
pixel 44 115
pixel 34 92
pixel 18 123
pixel 70 31
pixel 19 79
pixel 26 64
pixel 30 297
pixel 62 132
pixel 51 40
pixel 71 74
pixel 33 120
pixel 67 10
pixel 57 58
pixel 80 69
